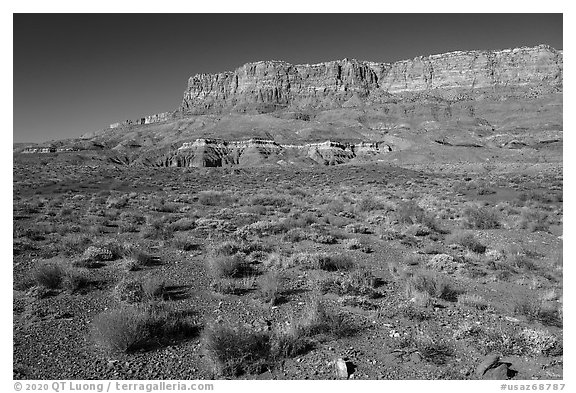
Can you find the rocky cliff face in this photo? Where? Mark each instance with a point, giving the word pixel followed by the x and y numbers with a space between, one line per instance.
pixel 275 83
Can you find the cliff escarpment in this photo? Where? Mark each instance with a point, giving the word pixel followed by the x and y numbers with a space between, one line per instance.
pixel 454 76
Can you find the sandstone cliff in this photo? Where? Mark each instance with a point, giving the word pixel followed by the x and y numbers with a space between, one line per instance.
pixel 267 85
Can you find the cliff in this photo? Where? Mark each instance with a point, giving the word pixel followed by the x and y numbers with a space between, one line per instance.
pixel 267 85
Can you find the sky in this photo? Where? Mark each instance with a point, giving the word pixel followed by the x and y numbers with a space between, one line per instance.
pixel 77 73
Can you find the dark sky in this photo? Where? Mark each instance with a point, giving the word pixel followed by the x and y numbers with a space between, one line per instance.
pixel 75 73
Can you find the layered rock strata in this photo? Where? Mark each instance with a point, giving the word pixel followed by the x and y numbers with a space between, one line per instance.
pixel 219 153
pixel 277 83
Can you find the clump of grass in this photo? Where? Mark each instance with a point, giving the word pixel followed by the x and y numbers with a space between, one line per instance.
pixel 334 262
pixel 481 218
pixel 408 212
pixel 271 287
pixel 49 275
pixel 534 220
pixel 132 328
pixel 370 203
pixel 228 266
pixel 424 286
pixel 433 350
pixel 468 241
pixel 57 275
pixel 537 310
pixel 236 350
pixel 270 200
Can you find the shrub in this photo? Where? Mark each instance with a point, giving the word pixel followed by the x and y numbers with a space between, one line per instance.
pixel 408 212
pixel 270 286
pixel 536 310
pixel 538 342
pixel 74 243
pixel 270 200
pixel 424 285
pixel 332 263
pixel 468 241
pixel 228 266
pixel 481 218
pixel 50 275
pixel 235 350
pixel 370 203
pixel 433 350
pixel 75 280
pixel 534 220
pixel 131 328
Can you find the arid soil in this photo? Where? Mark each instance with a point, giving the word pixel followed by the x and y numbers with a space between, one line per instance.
pixel 427 271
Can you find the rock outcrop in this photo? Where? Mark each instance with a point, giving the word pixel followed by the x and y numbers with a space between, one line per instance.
pixel 266 85
pixel 219 153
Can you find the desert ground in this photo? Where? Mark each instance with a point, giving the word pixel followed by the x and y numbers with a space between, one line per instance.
pixel 361 271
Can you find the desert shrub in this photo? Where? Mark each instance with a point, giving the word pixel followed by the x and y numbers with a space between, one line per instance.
pixel 56 275
pixel 289 341
pixel 76 280
pixel 481 218
pixel 270 200
pixel 271 287
pixel 215 198
pixel 275 260
pixel 228 266
pixel 468 241
pixel 369 203
pixel 160 205
pixel 537 310
pixel 521 261
pixel 538 342
pixel 424 285
pixel 408 212
pixel 74 243
pixel 431 349
pixel 317 319
pixel 360 283
pixel 236 350
pixel 472 300
pixel 333 262
pixel 534 220
pixel 49 275
pixel 132 328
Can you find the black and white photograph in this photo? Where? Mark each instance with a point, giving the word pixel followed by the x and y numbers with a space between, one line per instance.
pixel 287 196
